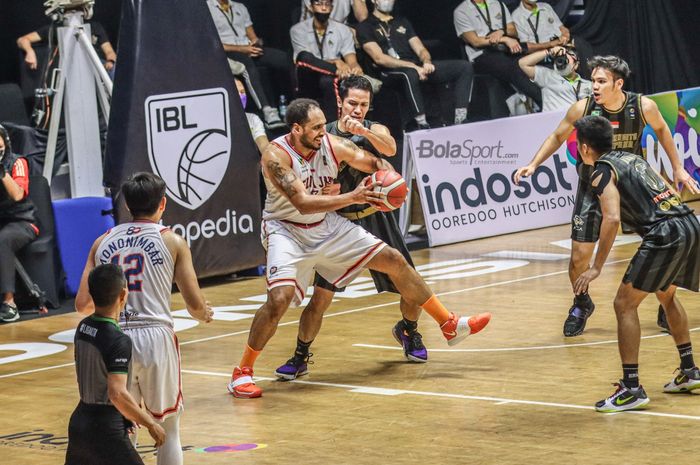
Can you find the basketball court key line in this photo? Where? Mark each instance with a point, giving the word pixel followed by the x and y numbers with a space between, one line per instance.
pixel 345 312
pixel 393 391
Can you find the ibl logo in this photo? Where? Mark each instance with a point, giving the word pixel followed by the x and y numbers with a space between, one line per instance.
pixel 189 142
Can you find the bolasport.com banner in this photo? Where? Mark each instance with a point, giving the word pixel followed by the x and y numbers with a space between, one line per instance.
pixel 465 178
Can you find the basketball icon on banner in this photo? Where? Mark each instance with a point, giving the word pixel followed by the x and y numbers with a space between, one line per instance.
pixel 189 142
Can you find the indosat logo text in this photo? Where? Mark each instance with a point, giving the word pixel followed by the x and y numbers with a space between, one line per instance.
pixel 476 195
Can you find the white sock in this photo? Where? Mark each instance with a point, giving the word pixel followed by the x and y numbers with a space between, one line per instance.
pixel 170 453
pixel 460 115
pixel 420 119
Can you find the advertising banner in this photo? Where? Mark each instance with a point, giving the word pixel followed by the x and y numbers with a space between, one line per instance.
pixel 464 174
pixel 176 112
pixel 681 111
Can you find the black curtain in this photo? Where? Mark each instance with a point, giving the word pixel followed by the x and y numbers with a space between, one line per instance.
pixel 658 39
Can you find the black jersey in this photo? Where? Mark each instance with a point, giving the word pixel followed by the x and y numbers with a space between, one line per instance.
pixel 100 348
pixel 349 177
pixel 628 122
pixel 645 197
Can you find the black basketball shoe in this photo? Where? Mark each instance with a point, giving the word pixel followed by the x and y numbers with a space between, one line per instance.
pixel 578 314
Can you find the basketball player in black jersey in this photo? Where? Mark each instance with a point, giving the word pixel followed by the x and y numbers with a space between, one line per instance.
pixel 628 113
pixel 629 190
pixel 355 96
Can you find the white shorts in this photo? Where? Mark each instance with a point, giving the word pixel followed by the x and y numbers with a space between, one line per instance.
pixel 154 374
pixel 335 248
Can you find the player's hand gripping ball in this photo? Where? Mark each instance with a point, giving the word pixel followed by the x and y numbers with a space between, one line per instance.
pixel 392 185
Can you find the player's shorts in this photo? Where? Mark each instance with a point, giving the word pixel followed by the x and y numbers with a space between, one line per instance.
pixel 154 374
pixel 669 254
pixel 335 248
pixel 384 226
pixel 97 435
pixel 585 221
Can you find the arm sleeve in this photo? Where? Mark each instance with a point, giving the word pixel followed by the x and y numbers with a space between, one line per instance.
pixel 463 22
pixel 508 18
pixel 600 178
pixel 543 76
pixel 20 174
pixel 410 32
pixel 365 33
pixel 43 33
pixel 246 17
pixel 118 356
pixel 257 128
pixel 557 21
pixel 298 43
pixel 524 32
pixel 348 43
pixel 98 31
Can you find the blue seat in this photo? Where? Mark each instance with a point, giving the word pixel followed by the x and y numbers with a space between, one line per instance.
pixel 78 223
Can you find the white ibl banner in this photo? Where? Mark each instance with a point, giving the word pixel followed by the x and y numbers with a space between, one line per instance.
pixel 465 178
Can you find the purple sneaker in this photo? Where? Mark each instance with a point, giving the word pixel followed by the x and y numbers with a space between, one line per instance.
pixel 412 343
pixel 295 367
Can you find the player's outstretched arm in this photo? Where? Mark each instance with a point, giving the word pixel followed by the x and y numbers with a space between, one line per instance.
pixel 83 301
pixel 553 141
pixel 277 169
pixel 347 151
pixel 186 278
pixel 681 178
pixel 603 183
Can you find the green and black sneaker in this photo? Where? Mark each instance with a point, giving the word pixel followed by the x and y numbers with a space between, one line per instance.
pixel 624 398
pixel 686 381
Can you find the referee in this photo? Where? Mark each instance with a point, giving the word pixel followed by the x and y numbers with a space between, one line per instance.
pixel 628 189
pixel 98 428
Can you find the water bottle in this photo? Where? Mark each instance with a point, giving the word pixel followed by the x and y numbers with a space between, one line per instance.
pixel 283 106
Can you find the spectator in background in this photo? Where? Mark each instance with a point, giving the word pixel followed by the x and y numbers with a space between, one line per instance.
pixel 400 56
pixel 491 43
pixel 324 51
pixel 257 129
pixel 242 44
pixel 17 222
pixel 99 40
pixel 539 26
pixel 561 86
pixel 340 12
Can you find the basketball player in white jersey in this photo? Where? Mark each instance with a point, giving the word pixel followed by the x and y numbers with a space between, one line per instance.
pixel 152 257
pixel 303 234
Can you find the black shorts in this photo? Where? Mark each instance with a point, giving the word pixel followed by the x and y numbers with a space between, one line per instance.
pixel 669 254
pixel 585 221
pixel 385 227
pixel 97 434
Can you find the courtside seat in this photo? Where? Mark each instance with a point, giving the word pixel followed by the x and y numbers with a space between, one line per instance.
pixel 39 257
pixel 78 223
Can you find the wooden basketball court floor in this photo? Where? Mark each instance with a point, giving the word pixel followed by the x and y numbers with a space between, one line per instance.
pixel 517 393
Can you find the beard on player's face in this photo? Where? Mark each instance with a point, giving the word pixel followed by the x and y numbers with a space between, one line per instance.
pixel 311 140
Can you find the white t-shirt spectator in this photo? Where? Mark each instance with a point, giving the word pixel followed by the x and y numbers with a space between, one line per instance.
pixel 558 93
pixel 468 17
pixel 232 23
pixel 340 12
pixel 542 19
pixel 257 128
pixel 337 43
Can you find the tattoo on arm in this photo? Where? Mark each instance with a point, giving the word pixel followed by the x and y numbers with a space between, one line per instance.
pixel 348 144
pixel 285 178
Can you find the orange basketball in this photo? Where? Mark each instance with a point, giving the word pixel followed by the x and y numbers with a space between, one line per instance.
pixel 393 185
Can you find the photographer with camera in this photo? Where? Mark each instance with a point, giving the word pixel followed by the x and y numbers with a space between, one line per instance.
pixel 561 86
pixel 539 26
pixel 17 222
pixel 491 43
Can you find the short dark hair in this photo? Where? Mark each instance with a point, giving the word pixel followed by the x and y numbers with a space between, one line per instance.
pixel 105 282
pixel 142 193
pixel 616 65
pixel 596 132
pixel 298 111
pixel 354 82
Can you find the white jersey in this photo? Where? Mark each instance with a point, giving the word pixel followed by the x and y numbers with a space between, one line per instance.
pixel 317 171
pixel 139 249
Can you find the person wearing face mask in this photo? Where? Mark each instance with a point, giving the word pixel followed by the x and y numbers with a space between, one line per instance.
pixel 401 58
pixel 257 129
pixel 539 26
pixel 242 44
pixel 324 52
pixel 17 222
pixel 340 12
pixel 561 86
